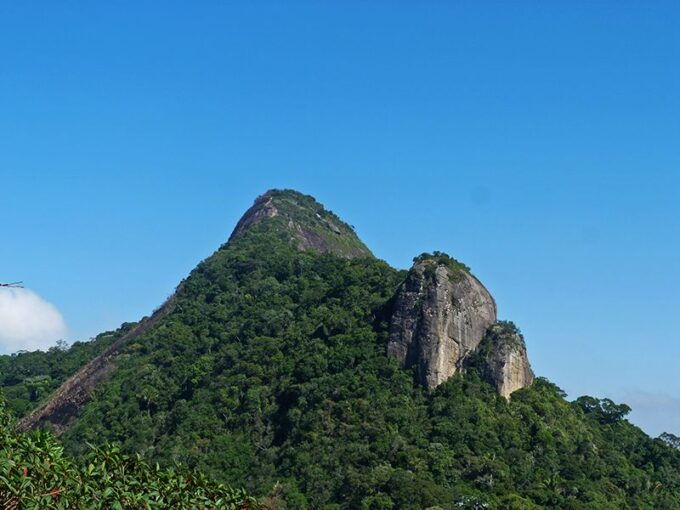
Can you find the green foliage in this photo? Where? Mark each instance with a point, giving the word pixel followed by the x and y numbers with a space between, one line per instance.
pixel 500 336
pixel 670 439
pixel 35 474
pixel 28 377
pixel 604 411
pixel 442 259
pixel 271 374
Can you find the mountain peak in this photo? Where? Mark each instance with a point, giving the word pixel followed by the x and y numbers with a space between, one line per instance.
pixel 310 225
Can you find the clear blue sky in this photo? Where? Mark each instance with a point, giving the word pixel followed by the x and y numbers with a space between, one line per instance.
pixel 539 142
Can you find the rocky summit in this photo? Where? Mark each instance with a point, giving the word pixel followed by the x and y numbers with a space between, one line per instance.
pixel 307 223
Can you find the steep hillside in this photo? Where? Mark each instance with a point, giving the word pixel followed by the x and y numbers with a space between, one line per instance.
pixel 295 217
pixel 298 365
pixel 59 409
pixel 27 378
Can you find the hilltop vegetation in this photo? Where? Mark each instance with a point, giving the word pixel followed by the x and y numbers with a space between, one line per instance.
pixel 304 221
pixel 271 373
pixel 443 259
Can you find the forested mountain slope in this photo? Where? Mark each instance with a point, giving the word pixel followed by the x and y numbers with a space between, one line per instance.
pixel 271 371
pixel 28 377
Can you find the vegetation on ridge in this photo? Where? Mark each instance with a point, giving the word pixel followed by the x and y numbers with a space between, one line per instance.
pixel 29 377
pixel 302 218
pixel 442 259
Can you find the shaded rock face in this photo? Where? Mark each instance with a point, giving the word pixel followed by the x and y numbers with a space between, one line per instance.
pixel 309 225
pixel 262 209
pixel 440 316
pixel 503 359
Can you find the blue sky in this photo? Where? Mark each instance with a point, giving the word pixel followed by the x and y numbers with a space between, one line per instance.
pixel 539 142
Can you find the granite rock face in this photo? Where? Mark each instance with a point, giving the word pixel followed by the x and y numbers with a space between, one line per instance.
pixel 262 209
pixel 440 316
pixel 503 359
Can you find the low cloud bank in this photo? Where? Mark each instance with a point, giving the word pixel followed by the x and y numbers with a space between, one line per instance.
pixel 28 322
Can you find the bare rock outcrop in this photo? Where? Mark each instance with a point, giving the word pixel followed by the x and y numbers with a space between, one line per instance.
pixel 441 314
pixel 502 359
pixel 262 209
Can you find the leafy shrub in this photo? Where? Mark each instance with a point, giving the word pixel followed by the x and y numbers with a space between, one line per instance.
pixel 35 474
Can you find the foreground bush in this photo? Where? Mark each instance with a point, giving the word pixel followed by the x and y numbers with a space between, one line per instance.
pixel 35 474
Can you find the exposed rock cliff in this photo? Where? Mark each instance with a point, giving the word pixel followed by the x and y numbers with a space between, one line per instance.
pixel 441 313
pixel 305 220
pixel 503 360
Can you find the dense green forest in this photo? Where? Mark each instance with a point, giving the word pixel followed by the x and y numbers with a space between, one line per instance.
pixel 271 373
pixel 27 377
pixel 35 474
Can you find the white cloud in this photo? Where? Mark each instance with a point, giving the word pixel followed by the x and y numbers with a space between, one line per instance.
pixel 28 322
